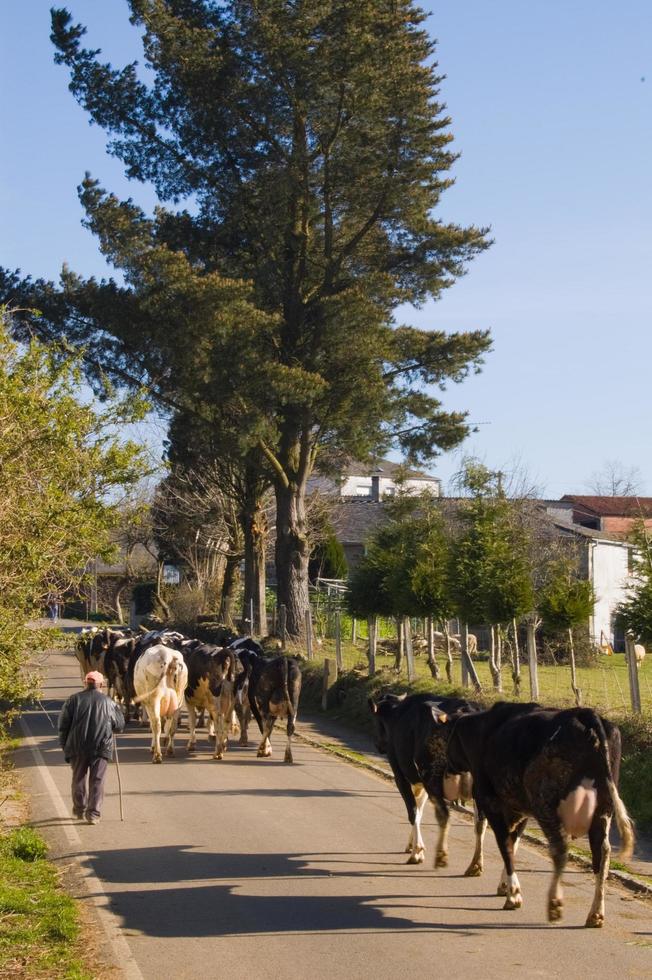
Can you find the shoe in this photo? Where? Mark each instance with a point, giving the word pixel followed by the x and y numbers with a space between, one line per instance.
pixel 78 814
pixel 91 819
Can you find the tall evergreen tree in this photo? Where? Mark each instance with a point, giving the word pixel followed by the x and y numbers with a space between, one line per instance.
pixel 309 141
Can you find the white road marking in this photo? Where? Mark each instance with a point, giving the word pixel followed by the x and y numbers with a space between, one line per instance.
pixel 121 949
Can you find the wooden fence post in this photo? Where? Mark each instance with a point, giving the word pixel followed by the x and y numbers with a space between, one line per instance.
pixel 467 663
pixel 338 640
pixel 330 676
pixel 409 652
pixel 309 633
pixel 532 661
pixel 372 630
pixel 632 670
pixel 252 625
pixel 354 630
pixel 464 654
pixel 282 618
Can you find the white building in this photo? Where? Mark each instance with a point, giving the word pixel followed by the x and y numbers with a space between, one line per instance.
pixel 375 481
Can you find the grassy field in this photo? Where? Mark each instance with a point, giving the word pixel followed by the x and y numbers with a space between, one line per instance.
pixel 604 686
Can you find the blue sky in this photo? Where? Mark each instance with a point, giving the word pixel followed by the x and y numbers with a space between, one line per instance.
pixel 553 120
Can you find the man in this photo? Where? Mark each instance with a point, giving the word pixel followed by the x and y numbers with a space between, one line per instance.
pixel 87 722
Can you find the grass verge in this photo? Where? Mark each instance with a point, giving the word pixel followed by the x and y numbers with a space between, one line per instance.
pixel 39 923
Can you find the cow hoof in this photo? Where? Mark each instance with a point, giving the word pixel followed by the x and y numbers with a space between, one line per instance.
pixel 595 920
pixel 264 753
pixel 218 755
pixel 170 751
pixel 157 758
pixel 243 740
pixel 190 749
pixel 502 888
pixel 288 756
pixel 512 902
pixel 555 909
pixel 441 860
pixel 417 857
pixel 474 870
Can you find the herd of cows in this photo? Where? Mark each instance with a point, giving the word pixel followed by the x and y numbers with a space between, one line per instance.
pixel 164 670
pixel 514 760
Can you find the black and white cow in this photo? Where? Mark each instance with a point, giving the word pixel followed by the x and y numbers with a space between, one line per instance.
pixel 273 687
pixel 408 731
pixel 211 687
pixel 560 767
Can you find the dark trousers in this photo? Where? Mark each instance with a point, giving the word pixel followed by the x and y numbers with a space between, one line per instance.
pixel 87 795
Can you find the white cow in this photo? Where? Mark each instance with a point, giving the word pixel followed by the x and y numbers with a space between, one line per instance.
pixel 639 653
pixel 160 679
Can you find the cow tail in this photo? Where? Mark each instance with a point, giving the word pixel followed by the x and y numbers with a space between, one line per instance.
pixel 286 693
pixel 624 822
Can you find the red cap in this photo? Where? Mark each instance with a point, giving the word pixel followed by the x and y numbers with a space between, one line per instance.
pixel 94 677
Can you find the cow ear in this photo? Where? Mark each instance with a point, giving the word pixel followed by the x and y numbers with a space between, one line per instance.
pixel 372 705
pixel 438 715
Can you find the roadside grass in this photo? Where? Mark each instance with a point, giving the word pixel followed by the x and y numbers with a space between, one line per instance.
pixel 39 923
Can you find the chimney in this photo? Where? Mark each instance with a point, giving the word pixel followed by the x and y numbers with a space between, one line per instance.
pixel 375 485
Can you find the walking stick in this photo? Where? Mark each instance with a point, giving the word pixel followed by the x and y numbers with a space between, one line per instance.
pixel 117 769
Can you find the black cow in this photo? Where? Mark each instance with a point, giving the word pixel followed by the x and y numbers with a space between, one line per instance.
pixel 273 688
pixel 409 732
pixel 211 687
pixel 560 767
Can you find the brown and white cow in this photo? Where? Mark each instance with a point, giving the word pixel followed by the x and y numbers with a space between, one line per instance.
pixel 160 679
pixel 560 767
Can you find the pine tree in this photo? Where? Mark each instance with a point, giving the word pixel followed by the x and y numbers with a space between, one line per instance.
pixel 309 141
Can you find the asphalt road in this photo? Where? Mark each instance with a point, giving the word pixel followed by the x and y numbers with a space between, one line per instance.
pixel 251 867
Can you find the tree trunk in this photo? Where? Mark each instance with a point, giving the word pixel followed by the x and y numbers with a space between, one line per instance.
pixel 165 609
pixel 516 662
pixel 230 589
pixel 449 655
pixel 117 601
pixel 400 646
pixel 532 661
pixel 255 538
pixel 372 629
pixel 432 661
pixel 571 652
pixel 292 553
pixel 495 658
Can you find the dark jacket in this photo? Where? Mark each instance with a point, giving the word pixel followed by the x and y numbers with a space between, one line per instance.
pixel 86 725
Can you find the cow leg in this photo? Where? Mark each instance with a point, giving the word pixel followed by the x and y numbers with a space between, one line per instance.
pixel 265 747
pixel 515 837
pixel 442 815
pixel 244 724
pixel 155 722
pixel 221 740
pixel 171 729
pixel 558 844
pixel 600 853
pixel 474 870
pixel 288 749
pixel 192 722
pixel 507 842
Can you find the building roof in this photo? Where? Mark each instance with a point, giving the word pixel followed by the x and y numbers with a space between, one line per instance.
pixel 611 506
pixel 386 468
pixel 357 518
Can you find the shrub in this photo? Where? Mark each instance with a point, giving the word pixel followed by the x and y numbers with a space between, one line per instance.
pixel 26 845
